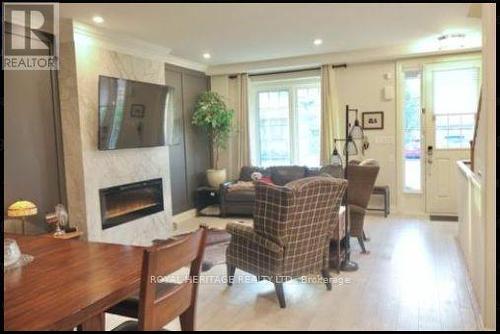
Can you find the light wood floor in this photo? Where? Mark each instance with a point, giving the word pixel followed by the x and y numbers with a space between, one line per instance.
pixel 413 279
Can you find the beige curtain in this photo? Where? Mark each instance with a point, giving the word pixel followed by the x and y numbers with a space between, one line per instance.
pixel 238 150
pixel 243 132
pixel 330 113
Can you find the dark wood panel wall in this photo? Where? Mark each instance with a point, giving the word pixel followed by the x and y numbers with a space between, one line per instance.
pixel 189 157
pixel 33 155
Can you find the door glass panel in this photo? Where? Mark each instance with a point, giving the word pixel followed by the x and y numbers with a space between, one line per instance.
pixel 273 113
pixel 309 115
pixel 412 131
pixel 455 99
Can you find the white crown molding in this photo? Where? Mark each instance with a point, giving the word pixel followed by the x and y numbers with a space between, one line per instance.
pixel 349 57
pixel 110 40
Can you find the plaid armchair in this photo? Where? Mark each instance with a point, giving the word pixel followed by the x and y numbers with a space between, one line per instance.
pixel 291 233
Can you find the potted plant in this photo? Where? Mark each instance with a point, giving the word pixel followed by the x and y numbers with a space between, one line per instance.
pixel 213 116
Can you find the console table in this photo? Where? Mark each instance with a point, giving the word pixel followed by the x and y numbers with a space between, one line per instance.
pixel 384 191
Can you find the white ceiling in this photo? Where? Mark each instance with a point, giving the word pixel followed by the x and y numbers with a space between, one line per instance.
pixel 234 33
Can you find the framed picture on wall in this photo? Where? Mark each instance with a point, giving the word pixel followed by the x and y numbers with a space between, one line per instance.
pixel 372 120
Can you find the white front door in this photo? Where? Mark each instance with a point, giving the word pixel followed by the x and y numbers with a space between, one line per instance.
pixel 451 94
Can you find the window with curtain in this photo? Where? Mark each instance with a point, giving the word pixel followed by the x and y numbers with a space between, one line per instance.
pixel 286 117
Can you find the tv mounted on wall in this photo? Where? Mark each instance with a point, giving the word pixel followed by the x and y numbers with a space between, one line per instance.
pixel 132 113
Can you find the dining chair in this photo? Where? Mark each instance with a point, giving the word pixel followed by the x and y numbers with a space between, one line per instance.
pixel 159 302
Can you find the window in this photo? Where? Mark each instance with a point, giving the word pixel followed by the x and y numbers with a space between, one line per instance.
pixel 287 116
pixel 455 98
pixel 273 127
pixel 412 130
pixel 309 120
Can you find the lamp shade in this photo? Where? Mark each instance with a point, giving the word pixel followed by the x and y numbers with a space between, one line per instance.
pixel 336 159
pixel 356 131
pixel 22 208
pixel 350 147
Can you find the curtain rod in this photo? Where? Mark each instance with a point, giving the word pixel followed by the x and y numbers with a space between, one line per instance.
pixel 284 72
pixel 233 76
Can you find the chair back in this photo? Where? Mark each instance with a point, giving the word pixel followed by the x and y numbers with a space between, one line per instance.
pixel 159 302
pixel 333 171
pixel 361 182
pixel 298 216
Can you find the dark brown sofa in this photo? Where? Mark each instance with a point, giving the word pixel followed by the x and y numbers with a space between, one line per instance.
pixel 242 202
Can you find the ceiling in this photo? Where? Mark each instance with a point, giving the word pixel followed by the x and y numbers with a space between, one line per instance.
pixel 234 33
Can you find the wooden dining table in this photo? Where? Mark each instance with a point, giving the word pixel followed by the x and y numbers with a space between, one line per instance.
pixel 69 283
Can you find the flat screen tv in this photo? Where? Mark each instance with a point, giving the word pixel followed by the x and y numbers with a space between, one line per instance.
pixel 132 113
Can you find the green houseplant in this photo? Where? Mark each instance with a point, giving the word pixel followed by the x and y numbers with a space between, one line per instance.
pixel 214 117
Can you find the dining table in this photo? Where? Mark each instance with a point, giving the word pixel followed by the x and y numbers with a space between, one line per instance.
pixel 69 283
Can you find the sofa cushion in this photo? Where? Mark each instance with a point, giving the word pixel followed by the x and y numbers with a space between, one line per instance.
pixel 281 175
pixel 241 186
pixel 246 172
pixel 240 196
pixel 312 171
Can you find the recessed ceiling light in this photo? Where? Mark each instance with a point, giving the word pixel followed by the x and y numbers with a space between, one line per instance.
pixel 206 55
pixel 98 19
pixel 318 41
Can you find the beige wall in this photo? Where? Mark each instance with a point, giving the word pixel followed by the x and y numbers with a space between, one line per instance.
pixel 89 169
pixel 485 169
pixel 361 87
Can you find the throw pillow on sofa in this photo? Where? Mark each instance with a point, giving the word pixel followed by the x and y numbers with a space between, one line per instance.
pixel 247 171
pixel 266 179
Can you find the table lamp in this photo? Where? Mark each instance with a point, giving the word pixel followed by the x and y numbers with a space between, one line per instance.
pixel 22 209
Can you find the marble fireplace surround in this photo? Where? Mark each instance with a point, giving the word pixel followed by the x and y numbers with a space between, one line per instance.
pixel 87 168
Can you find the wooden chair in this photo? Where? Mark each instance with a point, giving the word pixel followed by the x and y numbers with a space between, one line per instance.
pixel 160 303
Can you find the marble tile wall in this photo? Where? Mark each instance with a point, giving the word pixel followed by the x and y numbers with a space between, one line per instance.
pixel 89 169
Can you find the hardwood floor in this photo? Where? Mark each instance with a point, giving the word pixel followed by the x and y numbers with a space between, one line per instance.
pixel 414 278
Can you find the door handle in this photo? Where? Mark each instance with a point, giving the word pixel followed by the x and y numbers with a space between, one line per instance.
pixel 430 151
